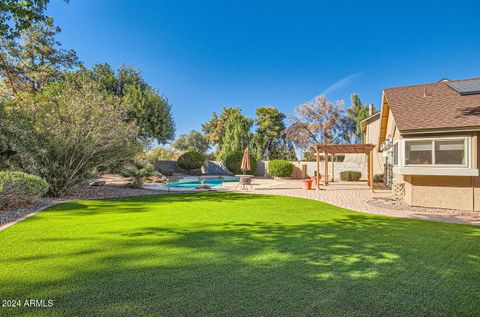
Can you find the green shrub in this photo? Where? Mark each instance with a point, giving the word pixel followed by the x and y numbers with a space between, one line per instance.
pixel 280 168
pixel 69 131
pixel 18 188
pixel 138 171
pixel 233 161
pixel 350 176
pixel 378 178
pixel 191 160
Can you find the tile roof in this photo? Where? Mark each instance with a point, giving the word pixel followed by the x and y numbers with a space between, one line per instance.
pixel 433 106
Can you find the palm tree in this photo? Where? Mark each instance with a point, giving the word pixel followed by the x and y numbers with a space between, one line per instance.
pixel 357 113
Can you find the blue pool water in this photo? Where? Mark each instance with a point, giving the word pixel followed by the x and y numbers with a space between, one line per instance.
pixel 210 182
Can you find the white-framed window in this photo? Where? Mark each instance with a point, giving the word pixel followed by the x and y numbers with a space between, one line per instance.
pixel 436 152
pixel 445 156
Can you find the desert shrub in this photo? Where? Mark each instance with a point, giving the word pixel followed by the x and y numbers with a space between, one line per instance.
pixel 350 176
pixel 233 161
pixel 280 168
pixel 191 160
pixel 69 131
pixel 18 188
pixel 138 171
pixel 378 178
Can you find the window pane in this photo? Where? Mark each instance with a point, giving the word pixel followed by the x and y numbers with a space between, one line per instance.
pixel 418 152
pixel 395 154
pixel 450 152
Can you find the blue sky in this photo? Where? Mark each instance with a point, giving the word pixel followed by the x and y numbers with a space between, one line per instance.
pixel 205 54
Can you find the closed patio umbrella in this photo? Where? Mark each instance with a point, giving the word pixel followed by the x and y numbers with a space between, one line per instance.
pixel 245 161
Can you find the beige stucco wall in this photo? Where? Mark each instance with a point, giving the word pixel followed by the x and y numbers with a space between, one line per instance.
pixel 455 192
pixel 392 130
pixel 371 136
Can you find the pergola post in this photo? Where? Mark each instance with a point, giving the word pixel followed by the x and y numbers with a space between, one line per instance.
pixel 333 149
pixel 318 170
pixel 333 167
pixel 370 170
pixel 325 159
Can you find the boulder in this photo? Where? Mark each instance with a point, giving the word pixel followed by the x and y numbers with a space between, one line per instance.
pixel 203 186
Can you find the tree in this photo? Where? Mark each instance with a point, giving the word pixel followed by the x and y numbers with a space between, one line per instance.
pixel 320 121
pixel 357 113
pixel 269 140
pixel 150 111
pixel 18 15
pixel 159 153
pixel 69 131
pixel 237 134
pixel 35 60
pixel 191 141
pixel 214 129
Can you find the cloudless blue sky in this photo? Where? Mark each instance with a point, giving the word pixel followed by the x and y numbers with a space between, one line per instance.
pixel 205 54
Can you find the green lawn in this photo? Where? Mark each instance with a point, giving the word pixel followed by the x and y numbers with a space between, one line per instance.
pixel 236 255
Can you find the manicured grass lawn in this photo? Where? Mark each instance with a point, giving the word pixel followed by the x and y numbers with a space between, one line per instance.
pixel 236 255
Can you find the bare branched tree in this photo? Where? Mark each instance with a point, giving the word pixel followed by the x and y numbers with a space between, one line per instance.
pixel 320 121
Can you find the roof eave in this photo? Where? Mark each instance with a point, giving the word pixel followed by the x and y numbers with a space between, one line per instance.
pixel 439 130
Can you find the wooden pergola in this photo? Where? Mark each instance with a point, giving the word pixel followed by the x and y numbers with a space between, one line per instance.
pixel 332 149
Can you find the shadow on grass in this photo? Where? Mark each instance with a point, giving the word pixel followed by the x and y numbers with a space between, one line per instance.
pixel 353 265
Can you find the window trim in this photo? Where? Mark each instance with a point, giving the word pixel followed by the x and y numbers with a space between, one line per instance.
pixel 467 146
pixel 399 156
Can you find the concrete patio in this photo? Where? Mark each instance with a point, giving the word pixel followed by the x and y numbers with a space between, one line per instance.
pixel 357 196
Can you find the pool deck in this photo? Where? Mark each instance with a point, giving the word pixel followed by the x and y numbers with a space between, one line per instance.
pixel 357 196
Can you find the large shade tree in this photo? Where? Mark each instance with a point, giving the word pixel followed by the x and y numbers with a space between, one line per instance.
pixel 191 141
pixel 150 110
pixel 269 140
pixel 214 129
pixel 319 121
pixel 238 135
pixel 18 15
pixel 34 60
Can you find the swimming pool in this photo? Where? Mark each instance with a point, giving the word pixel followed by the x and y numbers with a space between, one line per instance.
pixel 210 182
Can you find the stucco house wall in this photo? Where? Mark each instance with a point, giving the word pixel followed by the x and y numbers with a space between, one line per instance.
pixel 454 192
pixel 371 137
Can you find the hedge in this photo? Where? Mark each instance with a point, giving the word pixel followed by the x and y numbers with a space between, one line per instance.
pixel 280 168
pixel 378 178
pixel 18 188
pixel 351 176
pixel 233 161
pixel 191 160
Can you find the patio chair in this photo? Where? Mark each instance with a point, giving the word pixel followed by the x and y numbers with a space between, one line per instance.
pixel 244 182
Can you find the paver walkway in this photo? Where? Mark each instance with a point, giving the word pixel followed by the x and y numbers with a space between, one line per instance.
pixel 356 196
